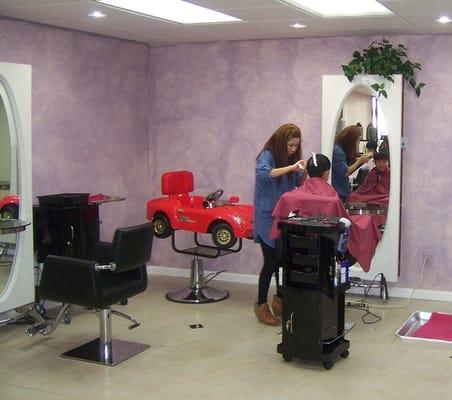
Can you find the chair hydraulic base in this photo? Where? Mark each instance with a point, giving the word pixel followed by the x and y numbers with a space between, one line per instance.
pixel 197 296
pixel 198 292
pixel 111 353
pixel 105 350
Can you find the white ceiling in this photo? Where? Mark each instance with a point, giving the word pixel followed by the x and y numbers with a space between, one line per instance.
pixel 264 19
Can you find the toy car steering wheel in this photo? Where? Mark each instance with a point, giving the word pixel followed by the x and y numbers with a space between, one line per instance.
pixel 214 195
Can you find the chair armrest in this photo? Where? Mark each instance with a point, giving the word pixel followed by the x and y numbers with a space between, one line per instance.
pixel 69 280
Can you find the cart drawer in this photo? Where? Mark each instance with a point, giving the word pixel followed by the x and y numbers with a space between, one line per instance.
pixel 302 242
pixel 308 260
pixel 310 278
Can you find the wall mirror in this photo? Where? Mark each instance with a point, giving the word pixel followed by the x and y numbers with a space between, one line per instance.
pixel 8 186
pixel 347 103
pixel 16 245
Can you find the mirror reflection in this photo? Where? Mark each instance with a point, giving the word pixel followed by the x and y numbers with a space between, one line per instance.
pixel 8 195
pixel 360 162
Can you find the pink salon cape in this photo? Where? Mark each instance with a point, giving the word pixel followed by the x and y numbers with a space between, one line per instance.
pixel 318 197
pixel 374 189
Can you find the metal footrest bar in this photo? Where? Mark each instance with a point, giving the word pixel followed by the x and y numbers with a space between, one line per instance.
pixel 135 323
pixel 48 326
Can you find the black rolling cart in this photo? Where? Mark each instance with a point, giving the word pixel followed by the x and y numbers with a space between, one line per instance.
pixel 65 225
pixel 313 292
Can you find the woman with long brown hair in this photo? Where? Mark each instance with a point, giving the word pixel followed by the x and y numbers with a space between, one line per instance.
pixel 279 168
pixel 346 160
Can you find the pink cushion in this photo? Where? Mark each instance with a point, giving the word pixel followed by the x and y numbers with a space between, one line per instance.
pixel 176 182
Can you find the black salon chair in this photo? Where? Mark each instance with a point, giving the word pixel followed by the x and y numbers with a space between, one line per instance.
pixel 116 272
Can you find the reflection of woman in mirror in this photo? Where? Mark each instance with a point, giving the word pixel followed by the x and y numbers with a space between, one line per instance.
pixel 345 160
pixel 279 169
pixel 384 146
pixel 375 189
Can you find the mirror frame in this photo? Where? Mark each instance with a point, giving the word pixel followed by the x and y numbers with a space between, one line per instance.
pixel 335 91
pixel 15 90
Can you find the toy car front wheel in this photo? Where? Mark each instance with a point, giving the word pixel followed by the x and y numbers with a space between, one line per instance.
pixel 223 236
pixel 10 211
pixel 162 227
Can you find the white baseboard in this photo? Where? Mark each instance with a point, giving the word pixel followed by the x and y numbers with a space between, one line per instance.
pixel 421 294
pixel 182 272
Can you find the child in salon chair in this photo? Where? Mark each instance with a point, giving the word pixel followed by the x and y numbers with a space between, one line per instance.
pixel 315 197
pixel 318 197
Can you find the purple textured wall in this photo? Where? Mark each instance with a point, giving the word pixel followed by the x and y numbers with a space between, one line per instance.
pixel 212 106
pixel 89 115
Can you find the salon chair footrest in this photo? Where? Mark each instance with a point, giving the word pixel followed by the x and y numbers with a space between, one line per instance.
pixel 193 295
pixel 113 354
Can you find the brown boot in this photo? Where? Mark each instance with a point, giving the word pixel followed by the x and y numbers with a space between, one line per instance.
pixel 264 314
pixel 277 306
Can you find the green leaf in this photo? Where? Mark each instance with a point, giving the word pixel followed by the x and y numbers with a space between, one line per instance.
pixel 375 87
pixel 385 95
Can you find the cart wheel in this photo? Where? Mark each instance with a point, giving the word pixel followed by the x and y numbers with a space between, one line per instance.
pixel 162 226
pixel 67 319
pixel 345 354
pixel 39 307
pixel 223 236
pixel 327 364
pixel 124 302
pixel 287 357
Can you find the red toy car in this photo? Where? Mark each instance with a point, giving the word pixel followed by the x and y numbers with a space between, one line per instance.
pixel 9 207
pixel 224 219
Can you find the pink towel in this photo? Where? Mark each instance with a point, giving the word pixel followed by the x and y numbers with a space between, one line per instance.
pixel 438 327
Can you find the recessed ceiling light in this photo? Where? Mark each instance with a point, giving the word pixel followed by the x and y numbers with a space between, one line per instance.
pixel 297 26
pixel 444 19
pixel 343 8
pixel 171 10
pixel 96 14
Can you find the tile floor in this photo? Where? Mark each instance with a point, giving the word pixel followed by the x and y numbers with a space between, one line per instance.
pixel 232 357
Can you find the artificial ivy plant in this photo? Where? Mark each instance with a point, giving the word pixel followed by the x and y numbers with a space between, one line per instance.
pixel 382 58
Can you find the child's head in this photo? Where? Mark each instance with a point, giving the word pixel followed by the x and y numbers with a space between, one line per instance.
pixel 318 166
pixel 371 146
pixel 381 159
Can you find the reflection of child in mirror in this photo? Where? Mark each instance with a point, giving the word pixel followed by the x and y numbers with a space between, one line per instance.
pixel 375 188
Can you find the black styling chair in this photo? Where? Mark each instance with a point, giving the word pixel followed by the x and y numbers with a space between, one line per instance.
pixel 117 272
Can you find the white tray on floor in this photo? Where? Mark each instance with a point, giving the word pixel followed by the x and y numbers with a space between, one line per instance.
pixel 412 324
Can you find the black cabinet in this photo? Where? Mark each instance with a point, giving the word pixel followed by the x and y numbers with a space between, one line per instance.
pixel 67 231
pixel 313 291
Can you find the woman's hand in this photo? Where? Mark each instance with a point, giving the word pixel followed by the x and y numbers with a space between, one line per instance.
pixel 300 165
pixel 364 158
pixel 358 162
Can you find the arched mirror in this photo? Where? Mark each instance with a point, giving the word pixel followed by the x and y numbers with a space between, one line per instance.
pixel 349 103
pixel 8 187
pixel 16 236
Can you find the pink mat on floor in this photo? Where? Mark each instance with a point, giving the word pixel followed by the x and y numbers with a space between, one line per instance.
pixel 438 327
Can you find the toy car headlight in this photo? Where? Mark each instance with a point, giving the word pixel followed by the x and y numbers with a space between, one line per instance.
pixel 237 220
